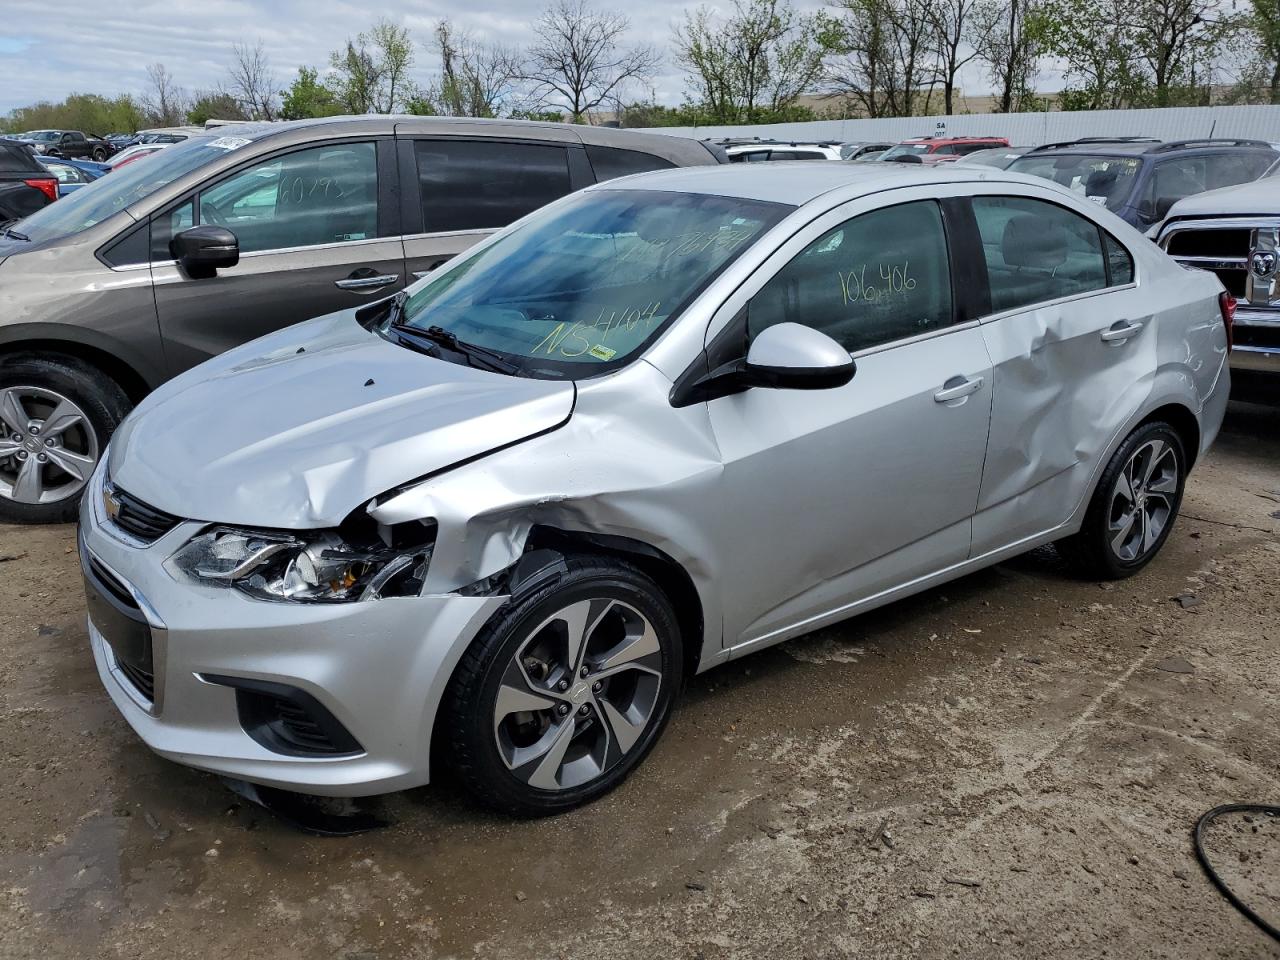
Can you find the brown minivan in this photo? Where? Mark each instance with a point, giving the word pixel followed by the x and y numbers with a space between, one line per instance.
pixel 230 235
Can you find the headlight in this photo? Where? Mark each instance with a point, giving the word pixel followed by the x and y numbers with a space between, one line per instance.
pixel 319 567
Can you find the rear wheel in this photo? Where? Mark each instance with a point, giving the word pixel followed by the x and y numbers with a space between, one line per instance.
pixel 565 691
pixel 1134 507
pixel 99 154
pixel 56 416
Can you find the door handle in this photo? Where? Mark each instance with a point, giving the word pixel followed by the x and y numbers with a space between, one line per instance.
pixel 1120 331
pixel 366 283
pixel 430 267
pixel 958 387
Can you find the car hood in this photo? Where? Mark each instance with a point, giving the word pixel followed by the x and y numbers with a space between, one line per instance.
pixel 301 427
pixel 1260 196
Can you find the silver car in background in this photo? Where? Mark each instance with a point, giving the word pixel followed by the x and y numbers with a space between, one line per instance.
pixel 660 424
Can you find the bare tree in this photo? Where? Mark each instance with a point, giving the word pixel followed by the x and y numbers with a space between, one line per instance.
pixel 578 60
pixel 886 55
pixel 754 64
pixel 952 25
pixel 165 101
pixel 253 83
pixel 1007 43
pixel 476 80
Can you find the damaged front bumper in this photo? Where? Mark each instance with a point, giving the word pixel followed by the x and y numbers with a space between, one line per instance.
pixel 333 699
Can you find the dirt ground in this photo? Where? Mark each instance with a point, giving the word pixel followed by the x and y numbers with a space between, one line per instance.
pixel 1008 766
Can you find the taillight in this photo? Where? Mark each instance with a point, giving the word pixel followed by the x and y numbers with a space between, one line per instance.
pixel 1227 304
pixel 48 187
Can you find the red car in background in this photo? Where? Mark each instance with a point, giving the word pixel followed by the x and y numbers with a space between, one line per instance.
pixel 941 149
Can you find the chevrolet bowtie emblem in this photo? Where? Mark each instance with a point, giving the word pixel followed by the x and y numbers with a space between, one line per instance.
pixel 110 503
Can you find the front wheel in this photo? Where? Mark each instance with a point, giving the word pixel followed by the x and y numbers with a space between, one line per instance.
pixel 99 154
pixel 56 416
pixel 1134 507
pixel 565 691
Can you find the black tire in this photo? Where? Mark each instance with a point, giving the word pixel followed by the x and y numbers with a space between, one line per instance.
pixel 1090 552
pixel 467 721
pixel 99 154
pixel 101 399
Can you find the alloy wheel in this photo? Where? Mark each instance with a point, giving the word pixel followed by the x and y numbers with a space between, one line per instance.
pixel 578 695
pixel 48 448
pixel 1142 500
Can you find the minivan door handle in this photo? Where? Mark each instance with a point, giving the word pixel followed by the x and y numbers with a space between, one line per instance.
pixel 1121 331
pixel 958 387
pixel 366 280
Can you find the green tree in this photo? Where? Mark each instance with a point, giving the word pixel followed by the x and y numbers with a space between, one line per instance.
pixel 89 112
pixel 1103 69
pixel 371 73
pixel 756 62
pixel 308 97
pixel 215 105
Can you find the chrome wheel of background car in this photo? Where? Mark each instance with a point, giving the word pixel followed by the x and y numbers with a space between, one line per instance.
pixel 578 694
pixel 48 448
pixel 1142 499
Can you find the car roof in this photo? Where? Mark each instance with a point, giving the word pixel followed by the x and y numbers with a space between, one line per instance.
pixel 1142 146
pixel 798 182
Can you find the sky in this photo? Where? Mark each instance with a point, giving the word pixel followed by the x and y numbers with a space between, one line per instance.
pixel 89 46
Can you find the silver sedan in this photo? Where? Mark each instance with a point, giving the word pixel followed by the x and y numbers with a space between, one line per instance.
pixel 662 423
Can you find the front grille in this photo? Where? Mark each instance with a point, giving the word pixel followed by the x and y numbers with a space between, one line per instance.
pixel 1256 335
pixel 1232 242
pixel 107 580
pixel 116 613
pixel 138 519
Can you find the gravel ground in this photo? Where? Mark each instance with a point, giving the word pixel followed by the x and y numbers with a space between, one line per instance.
pixel 1007 766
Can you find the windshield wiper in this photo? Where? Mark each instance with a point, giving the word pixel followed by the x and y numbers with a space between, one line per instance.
pixel 6 232
pixel 477 356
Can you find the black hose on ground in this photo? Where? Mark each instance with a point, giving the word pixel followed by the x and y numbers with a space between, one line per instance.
pixel 1198 834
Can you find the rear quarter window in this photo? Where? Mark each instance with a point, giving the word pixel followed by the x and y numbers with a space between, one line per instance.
pixel 612 162
pixel 14 158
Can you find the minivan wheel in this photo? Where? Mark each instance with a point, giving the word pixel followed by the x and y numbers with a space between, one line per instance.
pixel 1134 507
pixel 565 690
pixel 56 416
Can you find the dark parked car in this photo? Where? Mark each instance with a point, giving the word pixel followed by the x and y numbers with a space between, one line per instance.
pixel 1139 178
pixel 71 174
pixel 69 143
pixel 25 185
pixel 236 233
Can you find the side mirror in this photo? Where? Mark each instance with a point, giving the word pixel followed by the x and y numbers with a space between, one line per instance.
pixel 787 356
pixel 795 357
pixel 203 250
pixel 1163 206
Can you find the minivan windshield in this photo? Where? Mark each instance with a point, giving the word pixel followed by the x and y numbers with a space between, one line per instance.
pixel 1102 179
pixel 93 203
pixel 585 286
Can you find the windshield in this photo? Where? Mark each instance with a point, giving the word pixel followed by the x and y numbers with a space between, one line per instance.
pixel 902 149
pixel 44 136
pixel 1105 180
pixel 94 203
pixel 586 286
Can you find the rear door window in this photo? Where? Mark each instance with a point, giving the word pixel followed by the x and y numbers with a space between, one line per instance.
pixel 485 184
pixel 611 162
pixel 1037 251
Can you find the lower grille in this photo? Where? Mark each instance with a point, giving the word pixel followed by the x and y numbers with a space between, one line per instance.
pixel 287 720
pixel 1256 335
pixel 143 682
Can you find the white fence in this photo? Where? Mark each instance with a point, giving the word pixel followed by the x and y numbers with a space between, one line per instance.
pixel 1025 129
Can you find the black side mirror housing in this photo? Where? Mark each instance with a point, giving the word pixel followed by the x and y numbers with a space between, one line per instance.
pixel 1163 205
pixel 205 249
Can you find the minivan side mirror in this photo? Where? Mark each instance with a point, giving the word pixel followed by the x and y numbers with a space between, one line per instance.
pixel 795 357
pixel 203 250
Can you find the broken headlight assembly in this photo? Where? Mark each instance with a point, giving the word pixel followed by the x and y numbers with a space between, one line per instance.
pixel 324 566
